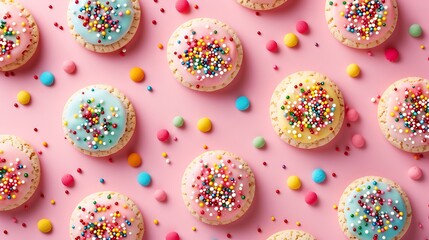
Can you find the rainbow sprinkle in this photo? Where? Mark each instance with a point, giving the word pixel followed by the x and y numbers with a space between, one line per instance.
pixel 9 37
pixel 10 179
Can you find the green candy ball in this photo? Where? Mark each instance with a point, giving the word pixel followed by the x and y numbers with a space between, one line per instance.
pixel 415 30
pixel 259 142
pixel 178 121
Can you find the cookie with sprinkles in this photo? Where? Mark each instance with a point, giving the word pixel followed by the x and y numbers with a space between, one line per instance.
pixel 99 120
pixel 261 4
pixel 218 187
pixel 19 172
pixel 361 23
pixel 204 54
pixel 403 114
pixel 103 25
pixel 307 109
pixel 291 235
pixel 19 35
pixel 374 208
pixel 106 215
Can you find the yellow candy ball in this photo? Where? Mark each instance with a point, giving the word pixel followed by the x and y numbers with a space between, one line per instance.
pixel 23 97
pixel 44 225
pixel 204 125
pixel 290 40
pixel 353 70
pixel 134 160
pixel 293 182
pixel 136 74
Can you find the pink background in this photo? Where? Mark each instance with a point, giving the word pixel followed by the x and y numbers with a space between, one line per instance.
pixel 232 130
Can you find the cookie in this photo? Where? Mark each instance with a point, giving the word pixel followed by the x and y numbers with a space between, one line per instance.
pixel 103 25
pixel 19 35
pixel 106 215
pixel 204 54
pixel 298 115
pixel 291 235
pixel 402 114
pixel 261 4
pixel 374 208
pixel 19 172
pixel 218 187
pixel 360 23
pixel 99 120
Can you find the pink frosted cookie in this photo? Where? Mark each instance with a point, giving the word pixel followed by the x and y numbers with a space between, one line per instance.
pixel 19 172
pixel 361 23
pixel 106 215
pixel 204 54
pixel 218 187
pixel 403 114
pixel 291 235
pixel 261 4
pixel 19 35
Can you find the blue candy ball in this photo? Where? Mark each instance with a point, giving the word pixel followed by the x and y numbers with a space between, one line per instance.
pixel 318 175
pixel 144 179
pixel 242 103
pixel 47 78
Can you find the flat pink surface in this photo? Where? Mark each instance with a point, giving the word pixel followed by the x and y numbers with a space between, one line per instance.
pixel 232 130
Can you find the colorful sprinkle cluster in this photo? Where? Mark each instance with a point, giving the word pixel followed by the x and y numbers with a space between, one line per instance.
pixel 366 17
pixel 312 109
pixel 109 225
pixel 205 56
pixel 102 18
pixel 10 179
pixel 216 189
pixel 9 36
pixel 413 111
pixel 372 219
pixel 98 123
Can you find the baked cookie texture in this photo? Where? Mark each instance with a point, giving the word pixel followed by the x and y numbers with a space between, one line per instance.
pixel 261 5
pixel 291 235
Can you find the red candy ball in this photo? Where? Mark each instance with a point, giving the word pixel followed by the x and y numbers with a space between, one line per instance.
pixel 302 27
pixel 163 135
pixel 272 46
pixel 391 54
pixel 67 180
pixel 172 236
pixel 182 6
pixel 358 141
pixel 311 198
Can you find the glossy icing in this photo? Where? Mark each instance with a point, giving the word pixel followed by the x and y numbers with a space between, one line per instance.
pixel 205 54
pixel 375 210
pixel 353 23
pixel 101 22
pixel 95 119
pixel 15 34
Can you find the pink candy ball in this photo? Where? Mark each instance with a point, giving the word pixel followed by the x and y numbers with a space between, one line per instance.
pixel 302 27
pixel 163 135
pixel 352 115
pixel 272 46
pixel 311 198
pixel 415 173
pixel 172 236
pixel 67 180
pixel 182 6
pixel 160 195
pixel 69 67
pixel 358 141
pixel 391 54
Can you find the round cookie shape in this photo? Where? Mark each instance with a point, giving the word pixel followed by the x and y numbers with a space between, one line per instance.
pixel 204 54
pixel 291 235
pixel 218 187
pixel 307 109
pixel 19 172
pixel 261 4
pixel 360 23
pixel 99 120
pixel 19 35
pixel 103 25
pixel 106 215
pixel 374 208
pixel 402 114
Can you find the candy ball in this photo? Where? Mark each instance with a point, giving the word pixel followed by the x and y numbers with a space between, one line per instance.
pixel 358 141
pixel 415 30
pixel 47 78
pixel 178 121
pixel 144 179
pixel 67 180
pixel 290 40
pixel 44 225
pixel 293 182
pixel 69 66
pixel 353 70
pixel 352 115
pixel 242 103
pixel 391 54
pixel 271 46
pixel 302 27
pixel 136 74
pixel 182 6
pixel 318 175
pixel 172 236
pixel 415 173
pixel 311 198
pixel 23 97
pixel 163 135
pixel 160 195
pixel 204 124
pixel 134 160
pixel 258 142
